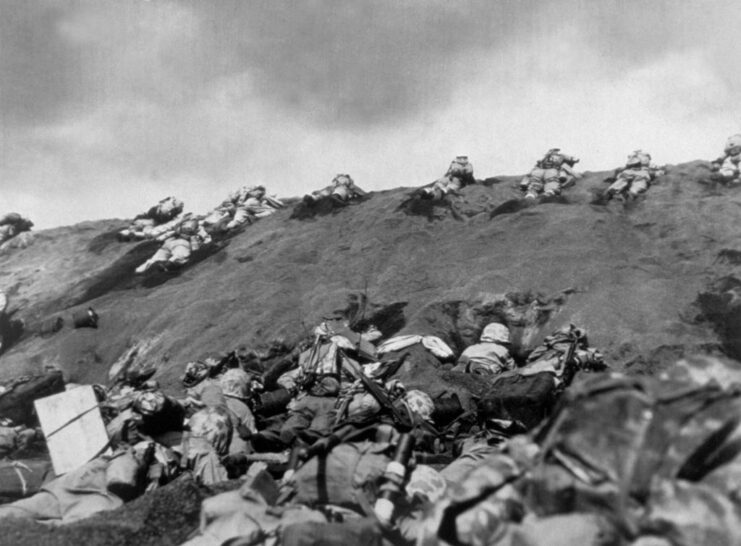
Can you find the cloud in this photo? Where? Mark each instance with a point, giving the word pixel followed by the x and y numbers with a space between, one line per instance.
pixel 39 71
pixel 342 63
pixel 108 105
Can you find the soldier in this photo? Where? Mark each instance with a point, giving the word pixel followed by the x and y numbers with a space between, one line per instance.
pixel 188 237
pixel 242 206
pixel 159 219
pixel 252 203
pixel 550 175
pixel 342 189
pixel 563 353
pixel 489 357
pixel 12 224
pixel 236 387
pixel 728 165
pixel 635 177
pixel 321 378
pixel 460 174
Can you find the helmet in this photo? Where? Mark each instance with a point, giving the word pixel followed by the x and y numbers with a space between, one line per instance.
pixel 495 332
pixel 342 179
pixel 553 151
pixel 195 372
pixel 639 156
pixel 255 191
pixel 420 403
pixel 571 330
pixel 236 383
pixel 733 141
pixel 149 403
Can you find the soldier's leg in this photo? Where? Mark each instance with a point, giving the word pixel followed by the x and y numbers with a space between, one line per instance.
pixel 180 252
pixel 162 255
pixel 240 217
pixel 552 184
pixel 214 217
pixel 535 185
pixel 454 185
pixel 618 186
pixel 524 183
pixel 640 184
pixel 436 191
pixel 143 228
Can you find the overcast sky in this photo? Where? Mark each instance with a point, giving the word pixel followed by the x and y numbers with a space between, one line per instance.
pixel 108 106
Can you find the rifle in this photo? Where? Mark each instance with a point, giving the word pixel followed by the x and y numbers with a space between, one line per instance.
pixel 402 420
pixel 310 374
pixel 569 357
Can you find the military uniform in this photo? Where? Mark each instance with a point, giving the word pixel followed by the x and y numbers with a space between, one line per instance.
pixel 636 176
pixel 343 188
pixel 460 174
pixel 12 224
pixel 159 219
pixel 490 356
pixel 242 206
pixel 177 248
pixel 549 174
pixel 728 165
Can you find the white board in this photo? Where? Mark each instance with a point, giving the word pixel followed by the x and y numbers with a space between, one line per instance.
pixel 73 427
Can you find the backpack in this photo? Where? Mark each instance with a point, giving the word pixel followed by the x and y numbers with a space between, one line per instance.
pixel 346 476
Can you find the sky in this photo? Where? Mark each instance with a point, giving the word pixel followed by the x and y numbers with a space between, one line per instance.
pixel 108 106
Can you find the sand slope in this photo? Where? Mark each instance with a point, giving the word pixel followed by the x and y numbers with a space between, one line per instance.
pixel 631 275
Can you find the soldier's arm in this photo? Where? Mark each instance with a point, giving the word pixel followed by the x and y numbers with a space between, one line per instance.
pixel 566 167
